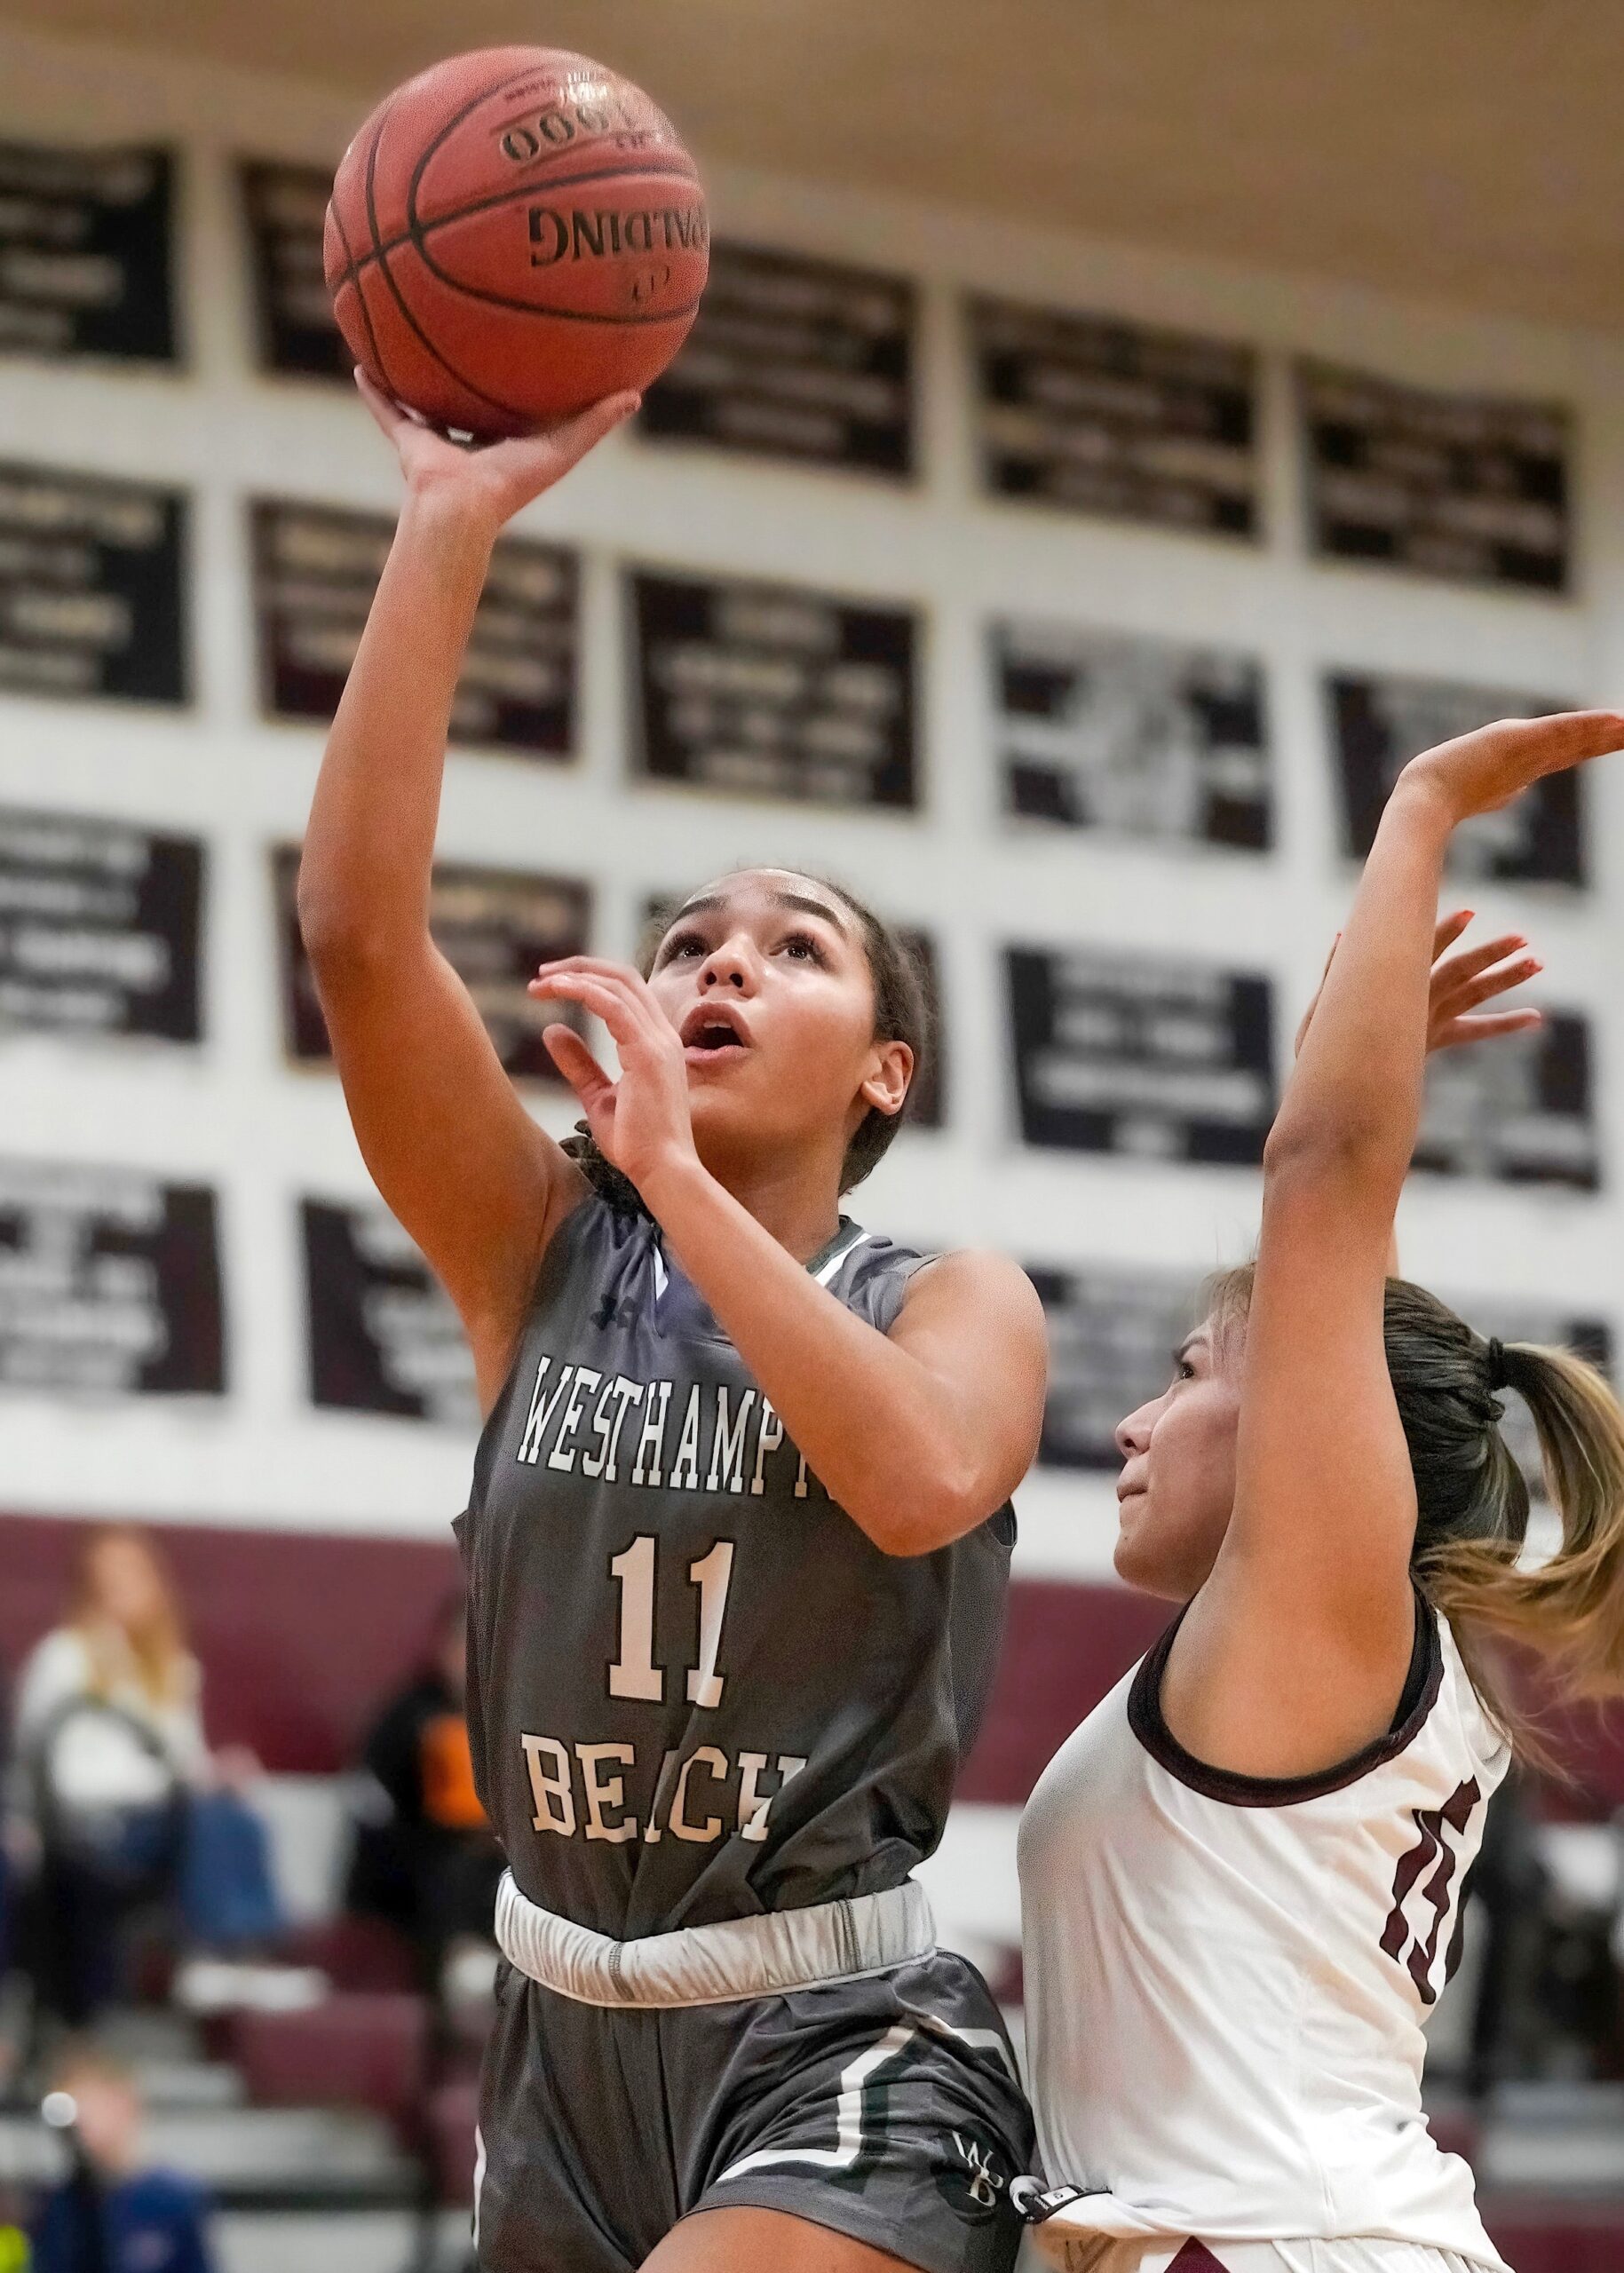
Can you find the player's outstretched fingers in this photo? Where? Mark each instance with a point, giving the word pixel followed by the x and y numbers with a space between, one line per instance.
pixel 578 1066
pixel 1490 983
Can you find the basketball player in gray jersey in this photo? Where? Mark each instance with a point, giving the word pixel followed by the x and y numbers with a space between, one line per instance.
pixel 739 1533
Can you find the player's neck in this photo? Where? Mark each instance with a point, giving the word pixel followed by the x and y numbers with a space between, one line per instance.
pixel 799 1205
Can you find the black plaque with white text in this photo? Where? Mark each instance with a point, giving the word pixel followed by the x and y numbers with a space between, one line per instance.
pixel 1518 1110
pixel 494 926
pixel 770 691
pixel 1153 1060
pixel 1102 417
pixel 383 1335
pixel 285 209
pixel 91 587
pixel 1112 1335
pixel 1150 738
pixel 109 1283
pixel 85 260
pixel 796 359
pixel 1378 723
pixel 98 928
pixel 1473 488
pixel 315 570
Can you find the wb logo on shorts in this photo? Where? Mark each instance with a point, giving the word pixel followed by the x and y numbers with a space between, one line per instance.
pixel 966 2178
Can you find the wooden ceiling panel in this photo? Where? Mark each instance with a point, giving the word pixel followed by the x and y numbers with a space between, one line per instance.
pixel 1463 149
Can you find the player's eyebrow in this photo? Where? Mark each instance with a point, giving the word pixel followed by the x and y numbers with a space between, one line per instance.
pixel 807 905
pixel 708 903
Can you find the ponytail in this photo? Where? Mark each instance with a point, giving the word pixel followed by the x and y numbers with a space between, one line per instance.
pixel 1569 1610
pixel 1472 1502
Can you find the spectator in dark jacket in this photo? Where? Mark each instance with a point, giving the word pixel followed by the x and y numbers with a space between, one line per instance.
pixel 424 1857
pixel 112 2214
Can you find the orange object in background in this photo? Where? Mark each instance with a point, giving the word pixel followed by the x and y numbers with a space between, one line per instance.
pixel 449 1795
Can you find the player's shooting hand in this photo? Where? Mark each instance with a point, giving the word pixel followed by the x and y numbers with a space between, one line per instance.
pixel 641 1122
pixel 1459 983
pixel 1480 771
pixel 493 480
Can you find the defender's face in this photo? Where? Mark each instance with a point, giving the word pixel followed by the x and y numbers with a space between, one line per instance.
pixel 1178 1484
pixel 764 975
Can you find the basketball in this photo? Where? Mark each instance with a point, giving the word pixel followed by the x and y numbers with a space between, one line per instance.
pixel 513 235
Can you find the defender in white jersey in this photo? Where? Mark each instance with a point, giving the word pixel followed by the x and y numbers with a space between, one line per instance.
pixel 1241 1876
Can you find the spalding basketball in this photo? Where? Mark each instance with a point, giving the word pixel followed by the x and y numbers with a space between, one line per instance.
pixel 512 235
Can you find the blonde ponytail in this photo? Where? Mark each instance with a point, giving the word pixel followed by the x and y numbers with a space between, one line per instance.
pixel 1569 1610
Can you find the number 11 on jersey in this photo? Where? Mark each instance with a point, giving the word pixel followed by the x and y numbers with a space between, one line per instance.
pixel 633 1672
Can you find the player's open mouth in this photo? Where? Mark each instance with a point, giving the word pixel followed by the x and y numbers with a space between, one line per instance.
pixel 713 1034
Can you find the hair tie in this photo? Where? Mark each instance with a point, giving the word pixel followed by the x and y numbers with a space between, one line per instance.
pixel 1497 1366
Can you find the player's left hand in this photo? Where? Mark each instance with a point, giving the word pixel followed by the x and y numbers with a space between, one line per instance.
pixel 641 1123
pixel 1459 983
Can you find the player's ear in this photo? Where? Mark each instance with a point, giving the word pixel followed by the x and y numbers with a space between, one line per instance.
pixel 890 1069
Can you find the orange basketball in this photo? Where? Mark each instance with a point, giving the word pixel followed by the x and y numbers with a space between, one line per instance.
pixel 513 235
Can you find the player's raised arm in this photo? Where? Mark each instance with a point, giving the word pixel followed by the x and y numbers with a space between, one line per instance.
pixel 1294 1650
pixel 448 1142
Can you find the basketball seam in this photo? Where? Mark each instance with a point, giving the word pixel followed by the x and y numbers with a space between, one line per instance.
pixel 437 140
pixel 417 230
pixel 508 410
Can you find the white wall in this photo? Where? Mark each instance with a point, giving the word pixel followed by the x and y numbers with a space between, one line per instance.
pixel 232 1114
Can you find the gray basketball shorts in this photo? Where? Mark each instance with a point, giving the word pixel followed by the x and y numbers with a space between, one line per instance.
pixel 887 2109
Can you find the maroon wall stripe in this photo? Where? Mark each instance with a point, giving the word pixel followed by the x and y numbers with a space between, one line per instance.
pixel 302 1633
pixel 1066 1645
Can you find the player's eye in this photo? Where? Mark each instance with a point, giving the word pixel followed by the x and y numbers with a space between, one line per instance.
pixel 681 944
pixel 804 947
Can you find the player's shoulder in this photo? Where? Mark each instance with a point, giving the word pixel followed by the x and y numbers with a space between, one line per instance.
pixel 979 1281
pixel 982 1279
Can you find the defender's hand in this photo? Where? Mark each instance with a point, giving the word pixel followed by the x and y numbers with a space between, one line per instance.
pixel 1480 771
pixel 641 1122
pixel 1459 983
pixel 493 480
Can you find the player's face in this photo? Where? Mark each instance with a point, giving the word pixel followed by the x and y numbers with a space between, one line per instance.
pixel 1178 1484
pixel 764 974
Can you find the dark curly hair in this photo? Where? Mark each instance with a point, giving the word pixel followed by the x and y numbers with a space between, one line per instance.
pixel 903 1011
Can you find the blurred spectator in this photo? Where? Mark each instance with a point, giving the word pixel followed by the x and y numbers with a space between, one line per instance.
pixel 425 1857
pixel 110 2215
pixel 126 1805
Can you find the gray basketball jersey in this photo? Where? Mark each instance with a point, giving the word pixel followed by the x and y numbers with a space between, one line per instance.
pixel 696 1690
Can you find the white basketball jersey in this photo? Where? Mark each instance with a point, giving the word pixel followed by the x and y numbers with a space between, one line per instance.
pixel 1227 1979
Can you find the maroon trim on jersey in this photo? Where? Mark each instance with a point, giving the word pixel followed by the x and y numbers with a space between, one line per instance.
pixel 1144 1718
pixel 1194 2257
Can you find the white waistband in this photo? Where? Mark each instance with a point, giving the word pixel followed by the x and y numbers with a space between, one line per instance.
pixel 719 1964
